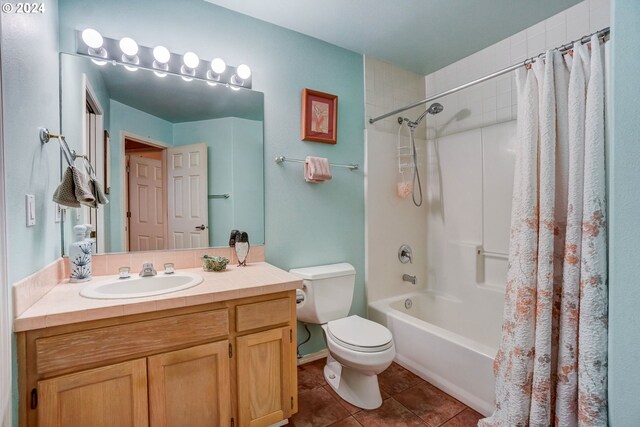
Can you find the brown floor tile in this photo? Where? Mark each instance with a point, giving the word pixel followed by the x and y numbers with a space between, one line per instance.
pixel 346 405
pixel 391 413
pixel 430 403
pixel 396 379
pixel 311 375
pixel 316 408
pixel 347 422
pixel 466 418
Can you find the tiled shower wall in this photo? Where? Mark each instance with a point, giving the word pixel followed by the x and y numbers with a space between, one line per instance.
pixel 390 220
pixel 494 101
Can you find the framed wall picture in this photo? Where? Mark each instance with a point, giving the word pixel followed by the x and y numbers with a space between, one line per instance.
pixel 319 116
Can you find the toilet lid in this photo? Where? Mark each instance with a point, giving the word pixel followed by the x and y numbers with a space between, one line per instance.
pixel 358 332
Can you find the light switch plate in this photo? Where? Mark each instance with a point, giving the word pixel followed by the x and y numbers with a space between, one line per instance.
pixel 58 212
pixel 30 209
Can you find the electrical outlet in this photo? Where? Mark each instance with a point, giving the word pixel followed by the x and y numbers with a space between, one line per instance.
pixel 30 200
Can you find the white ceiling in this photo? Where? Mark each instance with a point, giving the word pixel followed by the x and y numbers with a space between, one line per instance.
pixel 419 35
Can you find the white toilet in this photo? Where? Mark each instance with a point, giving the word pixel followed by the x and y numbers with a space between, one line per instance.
pixel 359 349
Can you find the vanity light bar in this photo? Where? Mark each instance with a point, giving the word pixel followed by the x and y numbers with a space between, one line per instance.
pixel 103 50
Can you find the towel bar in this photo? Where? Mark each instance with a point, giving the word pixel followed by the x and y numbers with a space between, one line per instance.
pixel 350 166
pixel 219 196
pixel 45 137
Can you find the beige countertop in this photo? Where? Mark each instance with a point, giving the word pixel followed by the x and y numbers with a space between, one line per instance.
pixel 64 305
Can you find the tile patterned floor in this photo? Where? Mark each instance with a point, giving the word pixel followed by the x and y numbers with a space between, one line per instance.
pixel 408 401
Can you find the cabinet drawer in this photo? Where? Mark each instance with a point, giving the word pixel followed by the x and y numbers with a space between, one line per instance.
pixel 261 314
pixel 120 342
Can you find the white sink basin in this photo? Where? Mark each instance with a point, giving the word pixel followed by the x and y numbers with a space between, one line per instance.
pixel 138 287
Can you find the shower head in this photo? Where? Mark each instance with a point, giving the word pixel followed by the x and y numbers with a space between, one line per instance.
pixel 433 109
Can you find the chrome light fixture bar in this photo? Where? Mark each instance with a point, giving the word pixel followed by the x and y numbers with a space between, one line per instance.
pixel 103 50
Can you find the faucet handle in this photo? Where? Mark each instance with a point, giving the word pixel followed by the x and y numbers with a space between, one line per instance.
pixel 169 268
pixel 123 272
pixel 405 255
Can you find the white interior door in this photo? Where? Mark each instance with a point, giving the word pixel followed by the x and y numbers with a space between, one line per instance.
pixel 146 195
pixel 187 208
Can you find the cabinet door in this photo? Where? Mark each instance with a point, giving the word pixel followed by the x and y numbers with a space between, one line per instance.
pixel 266 372
pixel 190 387
pixel 111 396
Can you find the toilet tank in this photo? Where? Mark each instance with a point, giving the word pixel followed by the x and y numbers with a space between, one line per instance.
pixel 327 292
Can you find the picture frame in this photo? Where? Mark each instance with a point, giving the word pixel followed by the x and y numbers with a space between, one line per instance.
pixel 319 116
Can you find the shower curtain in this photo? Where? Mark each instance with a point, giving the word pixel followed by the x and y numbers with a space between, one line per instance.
pixel 551 367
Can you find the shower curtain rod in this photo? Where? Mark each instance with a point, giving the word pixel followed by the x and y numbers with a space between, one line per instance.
pixel 602 34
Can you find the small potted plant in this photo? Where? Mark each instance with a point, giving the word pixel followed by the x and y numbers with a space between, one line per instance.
pixel 214 263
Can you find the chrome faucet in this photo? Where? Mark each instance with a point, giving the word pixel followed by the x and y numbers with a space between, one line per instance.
pixel 409 278
pixel 147 270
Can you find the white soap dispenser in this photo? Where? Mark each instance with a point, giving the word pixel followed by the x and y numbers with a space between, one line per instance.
pixel 80 256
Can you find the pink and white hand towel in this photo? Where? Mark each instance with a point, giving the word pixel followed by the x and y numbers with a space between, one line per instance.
pixel 316 169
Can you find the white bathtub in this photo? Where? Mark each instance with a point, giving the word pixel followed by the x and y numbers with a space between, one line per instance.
pixel 443 341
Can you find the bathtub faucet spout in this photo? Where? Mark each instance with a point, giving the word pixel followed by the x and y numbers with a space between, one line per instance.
pixel 409 278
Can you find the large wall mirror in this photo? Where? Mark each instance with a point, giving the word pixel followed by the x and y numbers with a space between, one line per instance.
pixel 182 161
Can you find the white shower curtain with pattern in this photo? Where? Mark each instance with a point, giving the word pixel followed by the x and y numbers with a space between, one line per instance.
pixel 551 367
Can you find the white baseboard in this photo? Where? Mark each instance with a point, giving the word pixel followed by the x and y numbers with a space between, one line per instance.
pixel 311 357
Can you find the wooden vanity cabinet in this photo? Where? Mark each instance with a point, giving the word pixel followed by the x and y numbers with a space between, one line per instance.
pixel 220 364
pixel 114 395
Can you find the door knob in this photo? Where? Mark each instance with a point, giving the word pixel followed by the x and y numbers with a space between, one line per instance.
pixel 201 227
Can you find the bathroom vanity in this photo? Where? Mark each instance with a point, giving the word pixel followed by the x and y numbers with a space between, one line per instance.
pixel 219 354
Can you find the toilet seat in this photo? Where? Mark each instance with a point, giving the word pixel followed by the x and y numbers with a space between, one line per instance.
pixel 358 334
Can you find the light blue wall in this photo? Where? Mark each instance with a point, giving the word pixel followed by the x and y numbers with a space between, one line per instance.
pixel 30 100
pixel 30 92
pixel 624 212
pixel 138 123
pixel 306 224
pixel 248 191
pixel 235 160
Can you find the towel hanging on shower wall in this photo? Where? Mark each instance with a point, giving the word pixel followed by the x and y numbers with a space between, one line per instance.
pixel 404 152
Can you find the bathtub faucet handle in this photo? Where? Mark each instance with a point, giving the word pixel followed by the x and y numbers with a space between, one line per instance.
pixel 409 278
pixel 405 255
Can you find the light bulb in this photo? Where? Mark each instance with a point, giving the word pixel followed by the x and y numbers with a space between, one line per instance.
pixel 92 38
pixel 218 66
pixel 243 71
pixel 191 60
pixel 128 46
pixel 161 54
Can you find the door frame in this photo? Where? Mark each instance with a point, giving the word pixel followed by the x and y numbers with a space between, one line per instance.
pixel 5 305
pixel 125 179
pixel 89 97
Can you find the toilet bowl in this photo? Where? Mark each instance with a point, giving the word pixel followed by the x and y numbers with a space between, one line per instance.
pixel 359 349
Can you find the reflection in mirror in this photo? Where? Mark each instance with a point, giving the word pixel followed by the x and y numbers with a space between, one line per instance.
pixel 181 161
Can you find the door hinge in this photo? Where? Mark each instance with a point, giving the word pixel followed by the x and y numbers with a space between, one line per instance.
pixel 291 335
pixel 233 422
pixel 34 399
pixel 128 214
pixel 230 354
pixel 128 169
pixel 291 402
